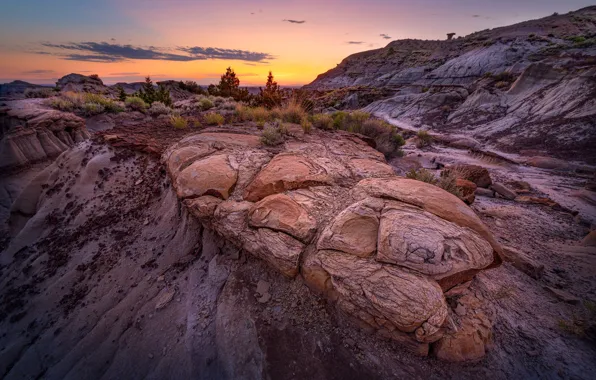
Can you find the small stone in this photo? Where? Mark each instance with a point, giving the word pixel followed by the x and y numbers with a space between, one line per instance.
pixel 160 278
pixel 262 287
pixel 146 222
pixel 164 298
pixel 460 310
pixel 264 298
pixel 139 182
pixel 503 191
pixel 150 356
pixel 563 295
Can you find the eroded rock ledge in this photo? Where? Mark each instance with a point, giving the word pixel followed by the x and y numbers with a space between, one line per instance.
pixel 382 248
pixel 30 133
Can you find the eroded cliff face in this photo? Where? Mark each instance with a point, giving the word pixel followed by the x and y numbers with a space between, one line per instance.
pixel 526 86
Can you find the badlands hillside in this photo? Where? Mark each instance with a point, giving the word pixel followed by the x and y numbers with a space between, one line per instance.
pixel 433 221
pixel 525 88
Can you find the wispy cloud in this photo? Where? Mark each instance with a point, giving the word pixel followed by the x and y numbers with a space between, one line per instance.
pixel 38 72
pixel 295 21
pixel 385 36
pixel 355 42
pixel 198 52
pixel 107 52
pixel 133 73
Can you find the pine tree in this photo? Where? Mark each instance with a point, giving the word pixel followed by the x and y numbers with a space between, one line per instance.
pixel 121 93
pixel 271 95
pixel 147 92
pixel 163 95
pixel 229 84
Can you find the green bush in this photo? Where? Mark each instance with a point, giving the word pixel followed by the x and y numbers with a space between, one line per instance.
pixel 205 104
pixel 213 118
pixel 424 139
pixel 271 136
pixel 339 119
pixel 135 103
pixel 91 109
pixel 323 121
pixel 61 104
pixel 178 122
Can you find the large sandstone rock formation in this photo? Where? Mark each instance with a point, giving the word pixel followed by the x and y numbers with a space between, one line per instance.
pixel 30 133
pixel 382 248
pixel 81 83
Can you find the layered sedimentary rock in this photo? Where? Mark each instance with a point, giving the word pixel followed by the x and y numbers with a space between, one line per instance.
pixel 383 249
pixel 33 133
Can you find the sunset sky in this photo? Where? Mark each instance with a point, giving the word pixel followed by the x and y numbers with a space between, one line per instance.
pixel 42 40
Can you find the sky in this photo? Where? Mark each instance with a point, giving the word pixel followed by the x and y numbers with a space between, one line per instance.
pixel 126 40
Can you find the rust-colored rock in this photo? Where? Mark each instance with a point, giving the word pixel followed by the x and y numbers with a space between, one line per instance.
pixel 286 172
pixel 209 176
pixel 467 190
pixel 281 213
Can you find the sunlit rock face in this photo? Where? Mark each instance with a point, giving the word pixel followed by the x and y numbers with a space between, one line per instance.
pixel 381 248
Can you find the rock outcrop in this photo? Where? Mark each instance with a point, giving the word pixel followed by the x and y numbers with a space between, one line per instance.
pixel 81 83
pixel 31 132
pixel 382 248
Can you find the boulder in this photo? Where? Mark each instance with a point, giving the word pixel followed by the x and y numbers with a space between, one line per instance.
pixel 473 173
pixel 470 334
pixel 467 190
pixel 286 172
pixel 549 163
pixel 281 213
pixel 522 262
pixel 209 176
pixel 429 244
pixel 590 239
pixel 354 230
pixel 503 190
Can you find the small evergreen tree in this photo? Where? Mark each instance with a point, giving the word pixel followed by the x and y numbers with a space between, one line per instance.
pixel 163 95
pixel 271 95
pixel 147 92
pixel 229 84
pixel 121 94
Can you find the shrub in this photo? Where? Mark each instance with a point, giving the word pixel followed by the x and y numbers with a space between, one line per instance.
pixel 121 93
pixel 323 121
pixel 178 122
pixel 390 144
pixel 424 139
pixel 447 181
pixel 218 100
pixel 505 76
pixel 61 104
pixel 306 125
pixel 213 118
pixel 205 104
pixel 291 112
pixel 339 119
pixel 375 127
pixel 91 108
pixel 75 98
pixel 228 105
pixel 271 136
pixel 108 104
pixel 422 175
pixel 135 103
pixel 260 114
pixel 191 86
pixel 39 92
pixel 502 85
pixel 158 108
